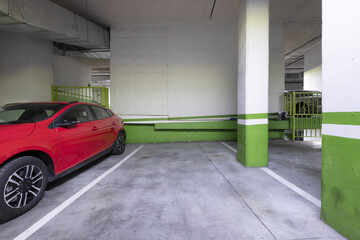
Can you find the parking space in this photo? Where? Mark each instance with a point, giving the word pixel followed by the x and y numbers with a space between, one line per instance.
pixel 297 162
pixel 178 191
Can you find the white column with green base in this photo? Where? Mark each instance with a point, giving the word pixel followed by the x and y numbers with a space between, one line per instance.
pixel 253 82
pixel 340 192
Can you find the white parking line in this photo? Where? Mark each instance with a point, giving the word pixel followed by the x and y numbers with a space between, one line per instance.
pixel 229 147
pixel 293 187
pixel 36 226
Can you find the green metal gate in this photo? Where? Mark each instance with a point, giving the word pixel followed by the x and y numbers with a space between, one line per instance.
pixel 99 95
pixel 304 109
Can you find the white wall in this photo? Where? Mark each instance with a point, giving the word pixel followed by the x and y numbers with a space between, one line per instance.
pixel 26 72
pixel 174 70
pixel 276 67
pixel 139 71
pixel 341 71
pixel 69 71
pixel 313 68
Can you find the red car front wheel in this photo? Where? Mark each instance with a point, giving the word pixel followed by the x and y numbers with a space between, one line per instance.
pixel 22 184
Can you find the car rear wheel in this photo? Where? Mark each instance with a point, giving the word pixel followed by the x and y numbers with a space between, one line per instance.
pixel 119 144
pixel 22 184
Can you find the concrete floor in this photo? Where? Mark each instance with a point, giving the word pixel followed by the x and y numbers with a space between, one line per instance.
pixel 185 191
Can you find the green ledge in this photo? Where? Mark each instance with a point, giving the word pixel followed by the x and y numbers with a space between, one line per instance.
pixel 148 133
pixel 180 118
pixel 216 125
pixel 175 132
pixel 201 117
pixel 145 119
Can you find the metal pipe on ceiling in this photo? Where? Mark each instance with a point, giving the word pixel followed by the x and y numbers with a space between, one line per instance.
pixel 303 47
pixel 295 61
pixel 212 10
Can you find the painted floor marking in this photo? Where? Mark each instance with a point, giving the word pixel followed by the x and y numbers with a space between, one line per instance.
pixel 228 146
pixel 36 226
pixel 290 185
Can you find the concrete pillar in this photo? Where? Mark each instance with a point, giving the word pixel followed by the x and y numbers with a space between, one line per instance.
pixel 341 116
pixel 253 79
pixel 69 71
pixel 313 68
pixel 276 68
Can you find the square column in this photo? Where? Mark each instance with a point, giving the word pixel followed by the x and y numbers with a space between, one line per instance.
pixel 340 192
pixel 313 68
pixel 276 68
pixel 253 83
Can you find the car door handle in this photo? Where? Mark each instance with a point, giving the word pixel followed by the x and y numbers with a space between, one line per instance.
pixel 95 128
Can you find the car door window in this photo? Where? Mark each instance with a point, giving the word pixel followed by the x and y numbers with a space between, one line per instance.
pixel 100 113
pixel 109 112
pixel 11 116
pixel 78 113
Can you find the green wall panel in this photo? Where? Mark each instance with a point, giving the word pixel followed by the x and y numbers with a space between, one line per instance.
pixel 276 134
pixel 341 185
pixel 185 131
pixel 252 145
pixel 202 117
pixel 345 118
pixel 145 119
pixel 253 116
pixel 220 125
pixel 279 125
pixel 180 118
pixel 146 133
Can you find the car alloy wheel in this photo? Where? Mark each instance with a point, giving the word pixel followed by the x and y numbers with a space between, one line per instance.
pixel 119 144
pixel 23 186
pixel 22 183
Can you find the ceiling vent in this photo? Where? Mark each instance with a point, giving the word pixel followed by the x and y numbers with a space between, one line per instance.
pixel 46 20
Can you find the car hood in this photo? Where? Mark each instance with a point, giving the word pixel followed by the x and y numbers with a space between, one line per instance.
pixel 16 131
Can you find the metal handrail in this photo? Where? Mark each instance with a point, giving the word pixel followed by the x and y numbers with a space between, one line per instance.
pixel 99 95
pixel 304 109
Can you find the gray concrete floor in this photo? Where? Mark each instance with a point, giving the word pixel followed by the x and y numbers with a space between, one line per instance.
pixel 185 191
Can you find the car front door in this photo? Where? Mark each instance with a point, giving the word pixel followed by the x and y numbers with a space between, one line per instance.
pixel 78 141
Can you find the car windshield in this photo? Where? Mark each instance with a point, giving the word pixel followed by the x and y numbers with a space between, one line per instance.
pixel 17 113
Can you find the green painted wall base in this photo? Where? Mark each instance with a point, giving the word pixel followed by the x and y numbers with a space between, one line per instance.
pixel 276 134
pixel 252 145
pixel 340 191
pixel 149 133
pixel 185 131
pixel 193 131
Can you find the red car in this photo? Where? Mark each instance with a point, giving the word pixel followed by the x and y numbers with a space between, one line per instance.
pixel 40 142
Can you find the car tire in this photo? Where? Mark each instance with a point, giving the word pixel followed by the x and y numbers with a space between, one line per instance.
pixel 119 144
pixel 22 185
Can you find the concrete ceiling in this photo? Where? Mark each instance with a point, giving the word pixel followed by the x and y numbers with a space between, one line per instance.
pixel 301 18
pixel 113 12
